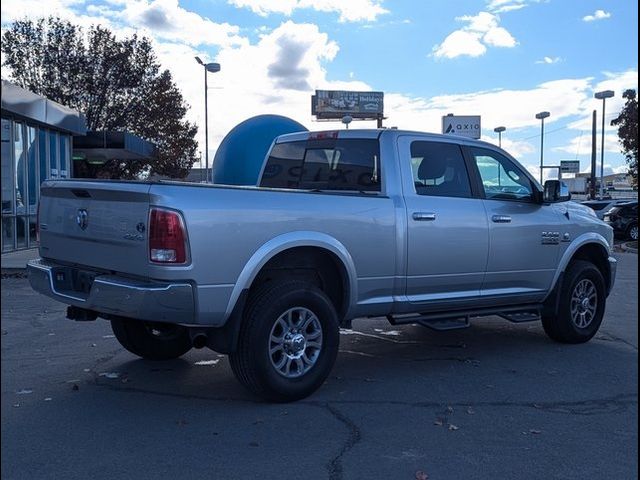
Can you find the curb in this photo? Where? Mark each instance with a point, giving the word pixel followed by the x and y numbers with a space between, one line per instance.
pixel 626 248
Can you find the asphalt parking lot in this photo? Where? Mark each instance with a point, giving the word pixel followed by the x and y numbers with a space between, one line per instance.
pixel 497 400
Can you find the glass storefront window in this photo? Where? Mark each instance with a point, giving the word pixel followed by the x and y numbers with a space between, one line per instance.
pixel 21 231
pixel 53 154
pixel 32 171
pixel 64 155
pixel 42 144
pixel 7 233
pixel 20 167
pixel 7 168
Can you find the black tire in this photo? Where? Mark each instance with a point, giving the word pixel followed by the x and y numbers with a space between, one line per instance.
pixel 152 340
pixel 252 364
pixel 631 231
pixel 561 327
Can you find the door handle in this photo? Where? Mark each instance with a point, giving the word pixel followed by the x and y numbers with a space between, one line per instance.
pixel 501 219
pixel 424 216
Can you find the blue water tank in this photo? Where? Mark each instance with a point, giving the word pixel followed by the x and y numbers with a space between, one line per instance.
pixel 241 153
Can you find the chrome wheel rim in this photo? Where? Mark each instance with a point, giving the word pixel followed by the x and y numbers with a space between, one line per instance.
pixel 634 233
pixel 584 303
pixel 295 342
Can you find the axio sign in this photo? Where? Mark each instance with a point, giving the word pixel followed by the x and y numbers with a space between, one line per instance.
pixel 467 126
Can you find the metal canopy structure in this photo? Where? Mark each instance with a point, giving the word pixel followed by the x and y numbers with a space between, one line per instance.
pixel 25 105
pixel 100 147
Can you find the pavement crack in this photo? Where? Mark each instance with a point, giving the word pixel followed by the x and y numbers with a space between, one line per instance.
pixel 335 465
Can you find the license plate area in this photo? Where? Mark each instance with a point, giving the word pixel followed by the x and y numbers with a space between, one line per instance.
pixel 73 280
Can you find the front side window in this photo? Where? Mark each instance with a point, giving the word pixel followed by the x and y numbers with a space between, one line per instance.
pixel 501 178
pixel 439 170
pixel 324 164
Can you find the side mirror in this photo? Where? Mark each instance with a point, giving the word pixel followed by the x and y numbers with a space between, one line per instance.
pixel 556 191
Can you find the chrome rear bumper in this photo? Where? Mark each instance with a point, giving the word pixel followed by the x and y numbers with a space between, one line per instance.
pixel 116 295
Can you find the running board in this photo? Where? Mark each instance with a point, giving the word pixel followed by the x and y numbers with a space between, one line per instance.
pixel 462 318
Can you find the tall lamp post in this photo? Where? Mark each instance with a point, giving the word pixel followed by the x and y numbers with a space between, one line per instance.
pixel 603 95
pixel 499 131
pixel 213 68
pixel 541 116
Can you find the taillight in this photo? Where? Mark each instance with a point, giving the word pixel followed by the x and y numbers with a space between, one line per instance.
pixel 167 237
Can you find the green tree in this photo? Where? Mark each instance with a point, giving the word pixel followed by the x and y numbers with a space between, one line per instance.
pixel 116 83
pixel 627 123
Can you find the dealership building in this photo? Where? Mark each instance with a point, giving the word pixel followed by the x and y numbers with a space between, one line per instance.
pixel 42 139
pixel 37 143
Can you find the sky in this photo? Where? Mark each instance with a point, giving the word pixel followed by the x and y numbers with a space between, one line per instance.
pixel 504 60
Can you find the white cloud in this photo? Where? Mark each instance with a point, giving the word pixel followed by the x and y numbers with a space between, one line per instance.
pixel 349 11
pixel 597 15
pixel 501 6
pixel 166 19
pixel 616 81
pixel 581 145
pixel 460 43
pixel 482 30
pixel 517 148
pixel 549 60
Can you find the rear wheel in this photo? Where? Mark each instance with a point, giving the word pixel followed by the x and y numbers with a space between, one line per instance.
pixel 581 307
pixel 632 232
pixel 288 341
pixel 152 340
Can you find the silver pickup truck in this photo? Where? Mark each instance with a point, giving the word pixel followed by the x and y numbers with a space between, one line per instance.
pixel 420 228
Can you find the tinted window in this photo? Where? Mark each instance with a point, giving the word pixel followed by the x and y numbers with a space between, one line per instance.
pixel 439 170
pixel 501 178
pixel 326 164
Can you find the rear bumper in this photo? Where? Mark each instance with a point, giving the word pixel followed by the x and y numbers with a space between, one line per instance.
pixel 116 295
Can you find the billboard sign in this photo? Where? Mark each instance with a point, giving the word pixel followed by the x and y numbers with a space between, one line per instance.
pixel 336 104
pixel 570 166
pixel 466 126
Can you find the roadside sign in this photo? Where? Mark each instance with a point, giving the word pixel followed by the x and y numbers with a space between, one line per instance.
pixel 336 104
pixel 570 166
pixel 466 126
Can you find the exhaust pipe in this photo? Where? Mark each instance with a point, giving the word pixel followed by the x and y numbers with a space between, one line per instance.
pixel 200 340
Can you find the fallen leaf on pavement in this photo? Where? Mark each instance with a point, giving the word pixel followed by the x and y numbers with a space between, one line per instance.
pixel 453 427
pixel 471 411
pixel 535 432
pixel 420 475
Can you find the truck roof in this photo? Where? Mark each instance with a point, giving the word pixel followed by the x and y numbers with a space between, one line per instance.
pixel 376 133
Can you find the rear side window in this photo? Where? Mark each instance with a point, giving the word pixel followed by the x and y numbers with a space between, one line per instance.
pixel 439 170
pixel 324 164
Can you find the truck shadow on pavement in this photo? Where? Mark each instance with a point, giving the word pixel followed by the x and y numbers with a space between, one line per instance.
pixel 409 364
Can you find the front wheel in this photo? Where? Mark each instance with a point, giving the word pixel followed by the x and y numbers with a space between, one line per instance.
pixel 581 307
pixel 288 341
pixel 632 232
pixel 152 340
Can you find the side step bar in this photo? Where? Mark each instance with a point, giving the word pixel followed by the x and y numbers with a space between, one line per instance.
pixel 462 318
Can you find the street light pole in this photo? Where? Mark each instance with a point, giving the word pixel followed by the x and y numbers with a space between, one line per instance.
pixel 213 68
pixel 541 116
pixel 499 131
pixel 603 96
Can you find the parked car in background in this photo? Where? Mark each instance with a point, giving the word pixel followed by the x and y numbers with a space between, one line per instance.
pixel 623 218
pixel 604 205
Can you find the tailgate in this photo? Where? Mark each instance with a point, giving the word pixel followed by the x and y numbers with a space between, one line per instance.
pixel 103 225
